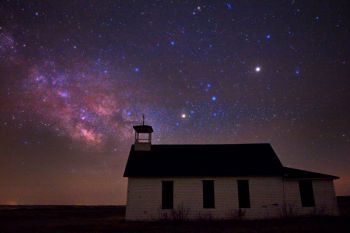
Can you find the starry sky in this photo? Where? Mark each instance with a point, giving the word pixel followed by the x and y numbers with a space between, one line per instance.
pixel 76 75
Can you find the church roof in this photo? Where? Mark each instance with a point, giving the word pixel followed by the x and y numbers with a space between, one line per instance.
pixel 204 160
pixel 297 173
pixel 207 160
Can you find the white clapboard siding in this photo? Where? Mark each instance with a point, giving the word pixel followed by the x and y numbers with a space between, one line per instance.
pixel 325 198
pixel 144 198
pixel 270 197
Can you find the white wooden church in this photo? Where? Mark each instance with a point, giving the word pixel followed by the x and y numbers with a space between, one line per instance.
pixel 242 181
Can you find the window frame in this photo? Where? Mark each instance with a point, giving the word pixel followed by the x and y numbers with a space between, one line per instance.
pixel 167 201
pixel 208 194
pixel 243 194
pixel 307 195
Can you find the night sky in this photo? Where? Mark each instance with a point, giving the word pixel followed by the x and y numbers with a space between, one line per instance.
pixel 76 75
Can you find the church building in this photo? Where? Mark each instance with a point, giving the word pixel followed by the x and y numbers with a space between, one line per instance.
pixel 220 181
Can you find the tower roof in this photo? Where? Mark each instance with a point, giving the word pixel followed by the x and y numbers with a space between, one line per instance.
pixel 143 128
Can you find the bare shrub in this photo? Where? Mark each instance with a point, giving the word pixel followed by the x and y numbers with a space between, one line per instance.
pixel 288 210
pixel 205 216
pixel 164 216
pixel 319 211
pixel 237 214
pixel 180 213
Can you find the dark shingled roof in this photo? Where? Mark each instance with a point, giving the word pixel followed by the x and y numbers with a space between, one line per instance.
pixel 297 173
pixel 211 160
pixel 204 160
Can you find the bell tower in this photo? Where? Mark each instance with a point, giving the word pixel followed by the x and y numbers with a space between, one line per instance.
pixel 143 136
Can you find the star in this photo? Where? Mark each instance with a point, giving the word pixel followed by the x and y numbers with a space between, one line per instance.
pixel 257 69
pixel 183 116
pixel 63 94
pixel 213 98
pixel 229 6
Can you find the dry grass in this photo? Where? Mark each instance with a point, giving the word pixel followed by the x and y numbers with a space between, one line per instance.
pixel 94 219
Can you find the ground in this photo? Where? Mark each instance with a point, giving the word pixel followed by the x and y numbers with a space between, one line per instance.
pixel 94 219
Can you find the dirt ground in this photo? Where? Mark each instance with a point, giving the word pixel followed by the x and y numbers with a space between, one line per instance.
pixel 95 219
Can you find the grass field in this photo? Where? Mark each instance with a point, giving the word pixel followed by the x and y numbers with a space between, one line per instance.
pixel 94 219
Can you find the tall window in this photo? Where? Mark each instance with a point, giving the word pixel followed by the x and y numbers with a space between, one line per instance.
pixel 306 193
pixel 167 194
pixel 243 193
pixel 208 194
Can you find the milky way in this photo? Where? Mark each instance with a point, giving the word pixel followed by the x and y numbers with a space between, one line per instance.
pixel 78 99
pixel 85 104
pixel 76 75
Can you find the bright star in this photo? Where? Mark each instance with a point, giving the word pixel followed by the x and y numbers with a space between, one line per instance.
pixel 257 69
pixel 183 115
pixel 229 6
pixel 63 94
